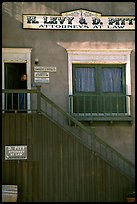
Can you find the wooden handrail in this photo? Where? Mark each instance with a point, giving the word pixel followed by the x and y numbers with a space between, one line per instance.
pixel 87 136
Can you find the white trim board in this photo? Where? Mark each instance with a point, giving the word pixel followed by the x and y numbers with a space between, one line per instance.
pixel 110 56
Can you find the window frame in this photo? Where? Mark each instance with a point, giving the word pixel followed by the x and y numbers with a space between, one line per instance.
pixel 17 55
pixel 101 57
pixel 98 76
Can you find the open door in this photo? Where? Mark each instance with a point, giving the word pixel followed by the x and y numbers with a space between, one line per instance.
pixel 13 72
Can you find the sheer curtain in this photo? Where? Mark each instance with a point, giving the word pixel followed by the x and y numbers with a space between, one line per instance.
pixel 111 79
pixel 85 79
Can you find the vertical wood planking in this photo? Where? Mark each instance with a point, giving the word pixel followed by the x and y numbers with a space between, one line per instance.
pixel 59 168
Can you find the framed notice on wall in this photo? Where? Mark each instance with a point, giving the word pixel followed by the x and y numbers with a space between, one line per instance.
pixel 41 74
pixel 17 152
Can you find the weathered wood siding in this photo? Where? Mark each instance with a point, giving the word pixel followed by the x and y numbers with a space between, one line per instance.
pixel 58 168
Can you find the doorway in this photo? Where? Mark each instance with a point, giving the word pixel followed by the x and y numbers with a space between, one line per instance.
pixel 15 57
pixel 13 72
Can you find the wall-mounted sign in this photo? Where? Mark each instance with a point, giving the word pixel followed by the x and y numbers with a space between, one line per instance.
pixel 78 20
pixel 16 152
pixel 45 69
pixel 41 80
pixel 41 74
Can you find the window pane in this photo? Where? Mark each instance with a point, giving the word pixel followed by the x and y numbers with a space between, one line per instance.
pixel 111 79
pixel 85 79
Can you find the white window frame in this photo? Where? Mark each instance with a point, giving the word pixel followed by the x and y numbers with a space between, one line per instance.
pixel 17 55
pixel 110 56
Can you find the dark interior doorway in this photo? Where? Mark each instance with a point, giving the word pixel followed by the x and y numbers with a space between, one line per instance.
pixel 13 72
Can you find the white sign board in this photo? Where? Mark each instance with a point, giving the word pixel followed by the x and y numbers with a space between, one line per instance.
pixel 78 20
pixel 41 74
pixel 41 80
pixel 45 69
pixel 16 152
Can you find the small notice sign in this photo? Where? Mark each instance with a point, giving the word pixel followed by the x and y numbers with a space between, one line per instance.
pixel 16 152
pixel 41 80
pixel 45 69
pixel 41 74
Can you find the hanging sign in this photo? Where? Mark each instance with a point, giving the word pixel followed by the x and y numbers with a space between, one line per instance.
pixel 78 20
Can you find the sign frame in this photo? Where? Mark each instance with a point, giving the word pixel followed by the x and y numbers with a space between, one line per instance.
pixel 45 69
pixel 80 19
pixel 15 152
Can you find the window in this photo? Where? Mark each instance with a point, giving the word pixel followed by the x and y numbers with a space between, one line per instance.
pixel 99 88
pixel 100 85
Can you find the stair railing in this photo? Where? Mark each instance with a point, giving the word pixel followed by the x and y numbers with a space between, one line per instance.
pixel 85 135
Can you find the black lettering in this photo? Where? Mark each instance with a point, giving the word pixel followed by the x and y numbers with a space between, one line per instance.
pixel 85 26
pixel 96 21
pixel 61 20
pixel 70 19
pixel 117 21
pixel 52 20
pixel 31 19
pixel 41 26
pixel 63 26
pixel 130 21
pixel 46 20
pixel 69 26
pixel 58 26
pixel 123 21
pixel 77 26
pixel 96 26
pixel 82 21
pixel 111 21
pixel 118 26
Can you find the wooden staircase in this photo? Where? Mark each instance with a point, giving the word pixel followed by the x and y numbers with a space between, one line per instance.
pixel 67 159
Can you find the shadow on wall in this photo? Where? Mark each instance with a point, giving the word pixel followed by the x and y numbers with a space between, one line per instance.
pixel 16 9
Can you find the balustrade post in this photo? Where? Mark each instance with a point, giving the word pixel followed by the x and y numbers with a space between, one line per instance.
pixel 38 98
